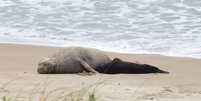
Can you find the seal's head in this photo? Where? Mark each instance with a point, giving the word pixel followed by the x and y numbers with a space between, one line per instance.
pixel 46 66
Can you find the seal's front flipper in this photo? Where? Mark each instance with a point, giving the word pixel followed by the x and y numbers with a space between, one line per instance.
pixel 87 67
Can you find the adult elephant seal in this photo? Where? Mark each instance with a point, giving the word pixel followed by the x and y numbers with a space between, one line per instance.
pixel 73 60
pixel 118 66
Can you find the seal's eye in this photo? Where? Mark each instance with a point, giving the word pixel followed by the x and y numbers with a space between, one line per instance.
pixel 45 63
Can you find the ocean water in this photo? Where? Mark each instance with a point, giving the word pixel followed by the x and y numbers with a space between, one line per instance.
pixel 165 27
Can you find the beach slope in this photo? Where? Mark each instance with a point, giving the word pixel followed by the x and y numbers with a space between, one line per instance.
pixel 19 78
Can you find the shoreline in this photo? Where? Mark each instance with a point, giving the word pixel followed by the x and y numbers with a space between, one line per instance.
pixel 183 82
pixel 54 46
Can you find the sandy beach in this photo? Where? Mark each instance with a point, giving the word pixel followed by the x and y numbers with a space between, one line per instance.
pixel 19 80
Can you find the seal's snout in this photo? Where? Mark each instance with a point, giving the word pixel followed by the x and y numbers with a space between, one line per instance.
pixel 46 66
pixel 42 68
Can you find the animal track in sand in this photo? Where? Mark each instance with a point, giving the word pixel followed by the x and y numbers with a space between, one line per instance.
pixel 167 92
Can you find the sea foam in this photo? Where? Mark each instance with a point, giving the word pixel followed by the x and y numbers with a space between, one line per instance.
pixel 162 27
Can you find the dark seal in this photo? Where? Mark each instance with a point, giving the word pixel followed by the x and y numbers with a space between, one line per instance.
pixel 118 66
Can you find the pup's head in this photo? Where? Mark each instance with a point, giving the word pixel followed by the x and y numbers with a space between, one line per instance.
pixel 46 66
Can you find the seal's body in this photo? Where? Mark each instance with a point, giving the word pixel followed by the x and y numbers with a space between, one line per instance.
pixel 118 66
pixel 73 60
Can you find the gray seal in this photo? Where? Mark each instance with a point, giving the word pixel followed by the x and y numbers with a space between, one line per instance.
pixel 73 60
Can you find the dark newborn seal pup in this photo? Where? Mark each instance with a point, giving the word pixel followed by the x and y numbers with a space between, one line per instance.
pixel 73 60
pixel 119 66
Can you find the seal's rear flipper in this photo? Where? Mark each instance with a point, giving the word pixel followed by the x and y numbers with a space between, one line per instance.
pixel 164 72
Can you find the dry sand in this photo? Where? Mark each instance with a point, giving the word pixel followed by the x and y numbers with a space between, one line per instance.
pixel 18 64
